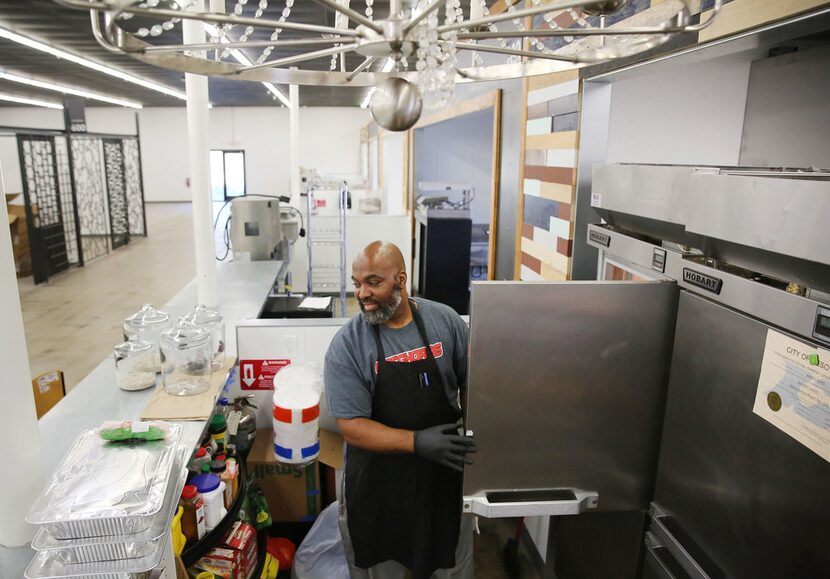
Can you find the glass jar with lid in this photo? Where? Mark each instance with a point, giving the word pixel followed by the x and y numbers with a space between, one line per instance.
pixel 186 360
pixel 148 323
pixel 212 321
pixel 135 364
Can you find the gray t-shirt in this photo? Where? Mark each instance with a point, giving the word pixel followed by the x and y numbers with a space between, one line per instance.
pixel 351 361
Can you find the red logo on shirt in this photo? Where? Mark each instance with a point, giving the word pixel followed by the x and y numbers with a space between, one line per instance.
pixel 415 355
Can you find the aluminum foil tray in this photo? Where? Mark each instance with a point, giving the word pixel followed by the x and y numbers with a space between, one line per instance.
pixel 45 566
pixel 100 549
pixel 103 488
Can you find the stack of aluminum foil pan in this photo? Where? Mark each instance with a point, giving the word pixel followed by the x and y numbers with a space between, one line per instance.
pixel 105 512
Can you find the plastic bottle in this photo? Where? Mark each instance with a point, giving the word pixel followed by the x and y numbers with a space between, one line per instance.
pixel 193 519
pixel 201 457
pixel 218 428
pixel 228 478
pixel 213 492
pixel 233 472
pixel 223 404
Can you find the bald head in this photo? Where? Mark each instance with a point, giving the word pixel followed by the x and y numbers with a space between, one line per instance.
pixel 382 255
pixel 379 277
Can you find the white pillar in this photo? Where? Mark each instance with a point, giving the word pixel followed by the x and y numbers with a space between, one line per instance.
pixel 197 128
pixel 294 142
pixel 21 456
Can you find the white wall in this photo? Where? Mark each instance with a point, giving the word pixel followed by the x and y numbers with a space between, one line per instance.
pixel 31 117
pixel 391 159
pixel 788 111
pixel 329 142
pixel 691 114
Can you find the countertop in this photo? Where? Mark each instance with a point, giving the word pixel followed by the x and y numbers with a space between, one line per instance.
pixel 242 288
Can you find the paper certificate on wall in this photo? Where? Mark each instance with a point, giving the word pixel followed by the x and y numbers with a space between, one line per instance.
pixel 794 391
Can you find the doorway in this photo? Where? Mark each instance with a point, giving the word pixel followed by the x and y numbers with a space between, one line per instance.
pixel 227 174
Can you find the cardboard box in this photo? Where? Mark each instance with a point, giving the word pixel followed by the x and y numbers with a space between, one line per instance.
pixel 236 558
pixel 292 492
pixel 49 389
pixel 331 449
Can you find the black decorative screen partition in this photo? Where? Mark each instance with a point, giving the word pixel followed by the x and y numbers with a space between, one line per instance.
pixel 69 206
pixel 84 197
pixel 88 171
pixel 117 192
pixel 44 215
pixel 135 189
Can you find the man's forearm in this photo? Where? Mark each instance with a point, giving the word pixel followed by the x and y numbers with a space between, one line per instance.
pixel 372 435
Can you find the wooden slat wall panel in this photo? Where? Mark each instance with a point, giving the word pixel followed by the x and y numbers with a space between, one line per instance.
pixel 549 174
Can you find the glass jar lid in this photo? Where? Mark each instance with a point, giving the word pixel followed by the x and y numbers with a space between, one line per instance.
pixel 134 345
pixel 203 316
pixel 147 316
pixel 184 336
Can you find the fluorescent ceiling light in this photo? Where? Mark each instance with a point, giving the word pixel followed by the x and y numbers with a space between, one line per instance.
pixel 68 90
pixel 33 102
pixel 245 61
pixel 62 54
pixel 387 67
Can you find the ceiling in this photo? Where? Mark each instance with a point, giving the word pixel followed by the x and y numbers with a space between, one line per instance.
pixel 70 30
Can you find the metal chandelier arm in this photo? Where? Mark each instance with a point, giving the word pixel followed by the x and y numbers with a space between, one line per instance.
pixel 361 67
pixel 352 15
pixel 209 17
pixel 250 44
pixel 633 30
pixel 492 19
pixel 417 20
pixel 299 58
pixel 712 15
pixel 514 52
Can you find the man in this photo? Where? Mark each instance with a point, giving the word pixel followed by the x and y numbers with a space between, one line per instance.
pixel 393 376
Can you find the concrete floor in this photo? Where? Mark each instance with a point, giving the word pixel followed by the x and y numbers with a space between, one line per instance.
pixel 73 321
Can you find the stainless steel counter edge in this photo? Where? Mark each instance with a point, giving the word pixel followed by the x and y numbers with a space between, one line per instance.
pixel 243 287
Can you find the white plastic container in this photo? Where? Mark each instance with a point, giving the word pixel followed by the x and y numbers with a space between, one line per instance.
pixel 296 414
pixel 213 494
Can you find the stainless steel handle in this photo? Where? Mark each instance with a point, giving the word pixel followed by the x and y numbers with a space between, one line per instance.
pixel 579 502
pixel 654 562
pixel 670 542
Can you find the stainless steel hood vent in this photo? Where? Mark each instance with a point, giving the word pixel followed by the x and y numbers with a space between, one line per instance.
pixel 772 221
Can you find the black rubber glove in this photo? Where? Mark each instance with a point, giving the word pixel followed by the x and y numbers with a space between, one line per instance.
pixel 443 445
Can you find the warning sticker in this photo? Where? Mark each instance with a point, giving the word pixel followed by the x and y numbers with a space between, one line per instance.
pixel 259 374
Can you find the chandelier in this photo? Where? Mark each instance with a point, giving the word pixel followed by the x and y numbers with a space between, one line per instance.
pixel 407 54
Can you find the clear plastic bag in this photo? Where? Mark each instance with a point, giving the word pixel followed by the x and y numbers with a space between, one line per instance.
pixel 321 554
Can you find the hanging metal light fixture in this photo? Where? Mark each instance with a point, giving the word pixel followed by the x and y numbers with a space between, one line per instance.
pixel 433 33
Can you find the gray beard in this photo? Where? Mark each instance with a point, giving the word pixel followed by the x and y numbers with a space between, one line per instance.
pixel 384 313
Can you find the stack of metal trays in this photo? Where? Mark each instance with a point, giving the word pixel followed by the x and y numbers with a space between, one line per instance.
pixel 105 512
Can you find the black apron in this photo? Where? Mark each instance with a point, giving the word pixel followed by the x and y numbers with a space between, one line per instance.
pixel 402 507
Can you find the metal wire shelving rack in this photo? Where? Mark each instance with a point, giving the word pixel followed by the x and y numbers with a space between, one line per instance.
pixel 326 277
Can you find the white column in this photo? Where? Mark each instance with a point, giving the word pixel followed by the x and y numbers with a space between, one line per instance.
pixel 21 456
pixel 197 128
pixel 294 142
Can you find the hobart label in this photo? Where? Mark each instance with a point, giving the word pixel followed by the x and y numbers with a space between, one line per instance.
pixel 707 282
pixel 601 238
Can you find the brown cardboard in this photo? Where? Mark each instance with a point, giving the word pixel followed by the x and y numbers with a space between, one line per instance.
pixel 48 389
pixel 331 449
pixel 292 492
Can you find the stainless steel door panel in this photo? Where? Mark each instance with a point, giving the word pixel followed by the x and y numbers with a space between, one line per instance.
pixel 753 499
pixel 567 387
